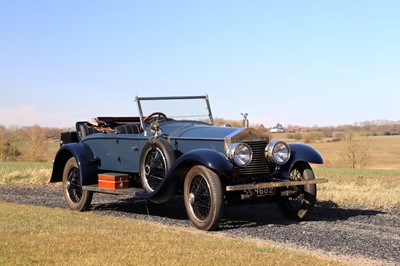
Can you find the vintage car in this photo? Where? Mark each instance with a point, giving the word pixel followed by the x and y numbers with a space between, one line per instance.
pixel 173 148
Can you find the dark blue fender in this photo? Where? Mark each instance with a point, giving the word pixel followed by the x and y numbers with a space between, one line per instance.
pixel 84 157
pixel 212 159
pixel 303 153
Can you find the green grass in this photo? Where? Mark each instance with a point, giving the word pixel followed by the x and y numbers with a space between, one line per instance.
pixel 25 172
pixel 38 235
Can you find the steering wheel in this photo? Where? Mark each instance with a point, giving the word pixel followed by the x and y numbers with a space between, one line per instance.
pixel 156 116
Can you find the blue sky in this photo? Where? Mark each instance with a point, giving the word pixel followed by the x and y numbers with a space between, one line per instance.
pixel 293 62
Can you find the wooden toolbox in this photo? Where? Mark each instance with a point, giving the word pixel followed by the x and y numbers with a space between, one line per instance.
pixel 113 181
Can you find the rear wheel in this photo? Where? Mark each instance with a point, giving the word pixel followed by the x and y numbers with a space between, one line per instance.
pixel 76 198
pixel 301 199
pixel 203 198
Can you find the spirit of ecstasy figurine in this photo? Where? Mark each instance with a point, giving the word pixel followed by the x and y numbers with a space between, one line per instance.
pixel 245 122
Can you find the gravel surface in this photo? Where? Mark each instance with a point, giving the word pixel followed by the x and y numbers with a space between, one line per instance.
pixel 369 236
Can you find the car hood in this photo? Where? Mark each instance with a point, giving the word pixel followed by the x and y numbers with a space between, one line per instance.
pixel 190 131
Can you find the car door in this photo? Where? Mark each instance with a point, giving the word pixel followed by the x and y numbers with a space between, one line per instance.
pixel 129 155
pixel 105 148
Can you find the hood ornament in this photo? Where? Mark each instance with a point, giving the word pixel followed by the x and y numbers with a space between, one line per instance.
pixel 245 121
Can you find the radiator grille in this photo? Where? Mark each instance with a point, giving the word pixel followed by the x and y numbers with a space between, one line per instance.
pixel 259 165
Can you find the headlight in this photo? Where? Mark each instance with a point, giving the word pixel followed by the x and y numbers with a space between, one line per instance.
pixel 277 152
pixel 240 153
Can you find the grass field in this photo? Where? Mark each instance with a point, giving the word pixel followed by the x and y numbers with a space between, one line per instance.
pixel 25 172
pixel 58 237
pixel 385 153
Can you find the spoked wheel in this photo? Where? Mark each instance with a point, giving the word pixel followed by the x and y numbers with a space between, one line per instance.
pixel 76 198
pixel 203 198
pixel 301 200
pixel 156 159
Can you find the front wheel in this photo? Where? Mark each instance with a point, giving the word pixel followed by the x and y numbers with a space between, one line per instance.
pixel 76 198
pixel 156 159
pixel 301 199
pixel 203 198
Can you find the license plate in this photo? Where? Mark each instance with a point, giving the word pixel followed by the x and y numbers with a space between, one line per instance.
pixel 269 191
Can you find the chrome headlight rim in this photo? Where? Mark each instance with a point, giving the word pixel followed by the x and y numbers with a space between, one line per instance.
pixel 277 152
pixel 240 153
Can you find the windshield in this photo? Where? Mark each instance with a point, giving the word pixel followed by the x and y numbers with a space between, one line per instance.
pixel 192 108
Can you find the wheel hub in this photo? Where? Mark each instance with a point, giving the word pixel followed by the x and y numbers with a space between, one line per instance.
pixel 147 170
pixel 191 198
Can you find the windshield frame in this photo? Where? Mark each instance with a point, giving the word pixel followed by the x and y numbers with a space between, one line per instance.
pixel 141 100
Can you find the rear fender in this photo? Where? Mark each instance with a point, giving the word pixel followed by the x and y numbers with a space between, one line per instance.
pixel 85 159
pixel 212 159
pixel 301 153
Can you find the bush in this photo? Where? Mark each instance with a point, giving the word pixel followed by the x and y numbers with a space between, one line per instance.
pixel 313 136
pixel 355 149
pixel 296 136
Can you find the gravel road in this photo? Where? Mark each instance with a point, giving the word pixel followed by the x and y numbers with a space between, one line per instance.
pixel 370 236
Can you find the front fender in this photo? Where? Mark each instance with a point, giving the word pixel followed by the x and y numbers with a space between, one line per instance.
pixel 303 153
pixel 84 157
pixel 212 159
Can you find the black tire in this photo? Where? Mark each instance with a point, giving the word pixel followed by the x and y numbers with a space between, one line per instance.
pixel 156 159
pixel 76 198
pixel 301 205
pixel 203 198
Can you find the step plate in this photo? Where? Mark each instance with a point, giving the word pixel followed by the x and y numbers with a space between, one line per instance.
pixel 121 191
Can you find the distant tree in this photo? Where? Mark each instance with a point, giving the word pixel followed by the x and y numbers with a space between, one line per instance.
pixel 295 136
pixel 221 121
pixel 354 149
pixel 36 137
pixel 54 133
pixel 3 141
pixel 313 136
pixel 15 138
pixel 327 132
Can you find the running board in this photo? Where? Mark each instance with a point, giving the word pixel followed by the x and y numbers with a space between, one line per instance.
pixel 276 184
pixel 121 191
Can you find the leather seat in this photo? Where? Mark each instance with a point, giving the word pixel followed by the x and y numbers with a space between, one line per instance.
pixel 86 130
pixel 128 129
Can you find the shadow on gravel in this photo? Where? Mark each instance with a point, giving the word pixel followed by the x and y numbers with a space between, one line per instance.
pixel 173 209
pixel 270 215
pixel 242 216
pixel 330 211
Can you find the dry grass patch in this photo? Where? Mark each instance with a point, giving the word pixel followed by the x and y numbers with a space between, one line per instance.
pixel 38 235
pixel 385 153
pixel 360 187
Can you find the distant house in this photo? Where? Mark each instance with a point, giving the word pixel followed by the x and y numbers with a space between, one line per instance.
pixel 296 130
pixel 277 129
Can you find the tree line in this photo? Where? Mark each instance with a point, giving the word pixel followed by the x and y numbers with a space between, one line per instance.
pixel 36 143
pixel 366 128
pixel 27 143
